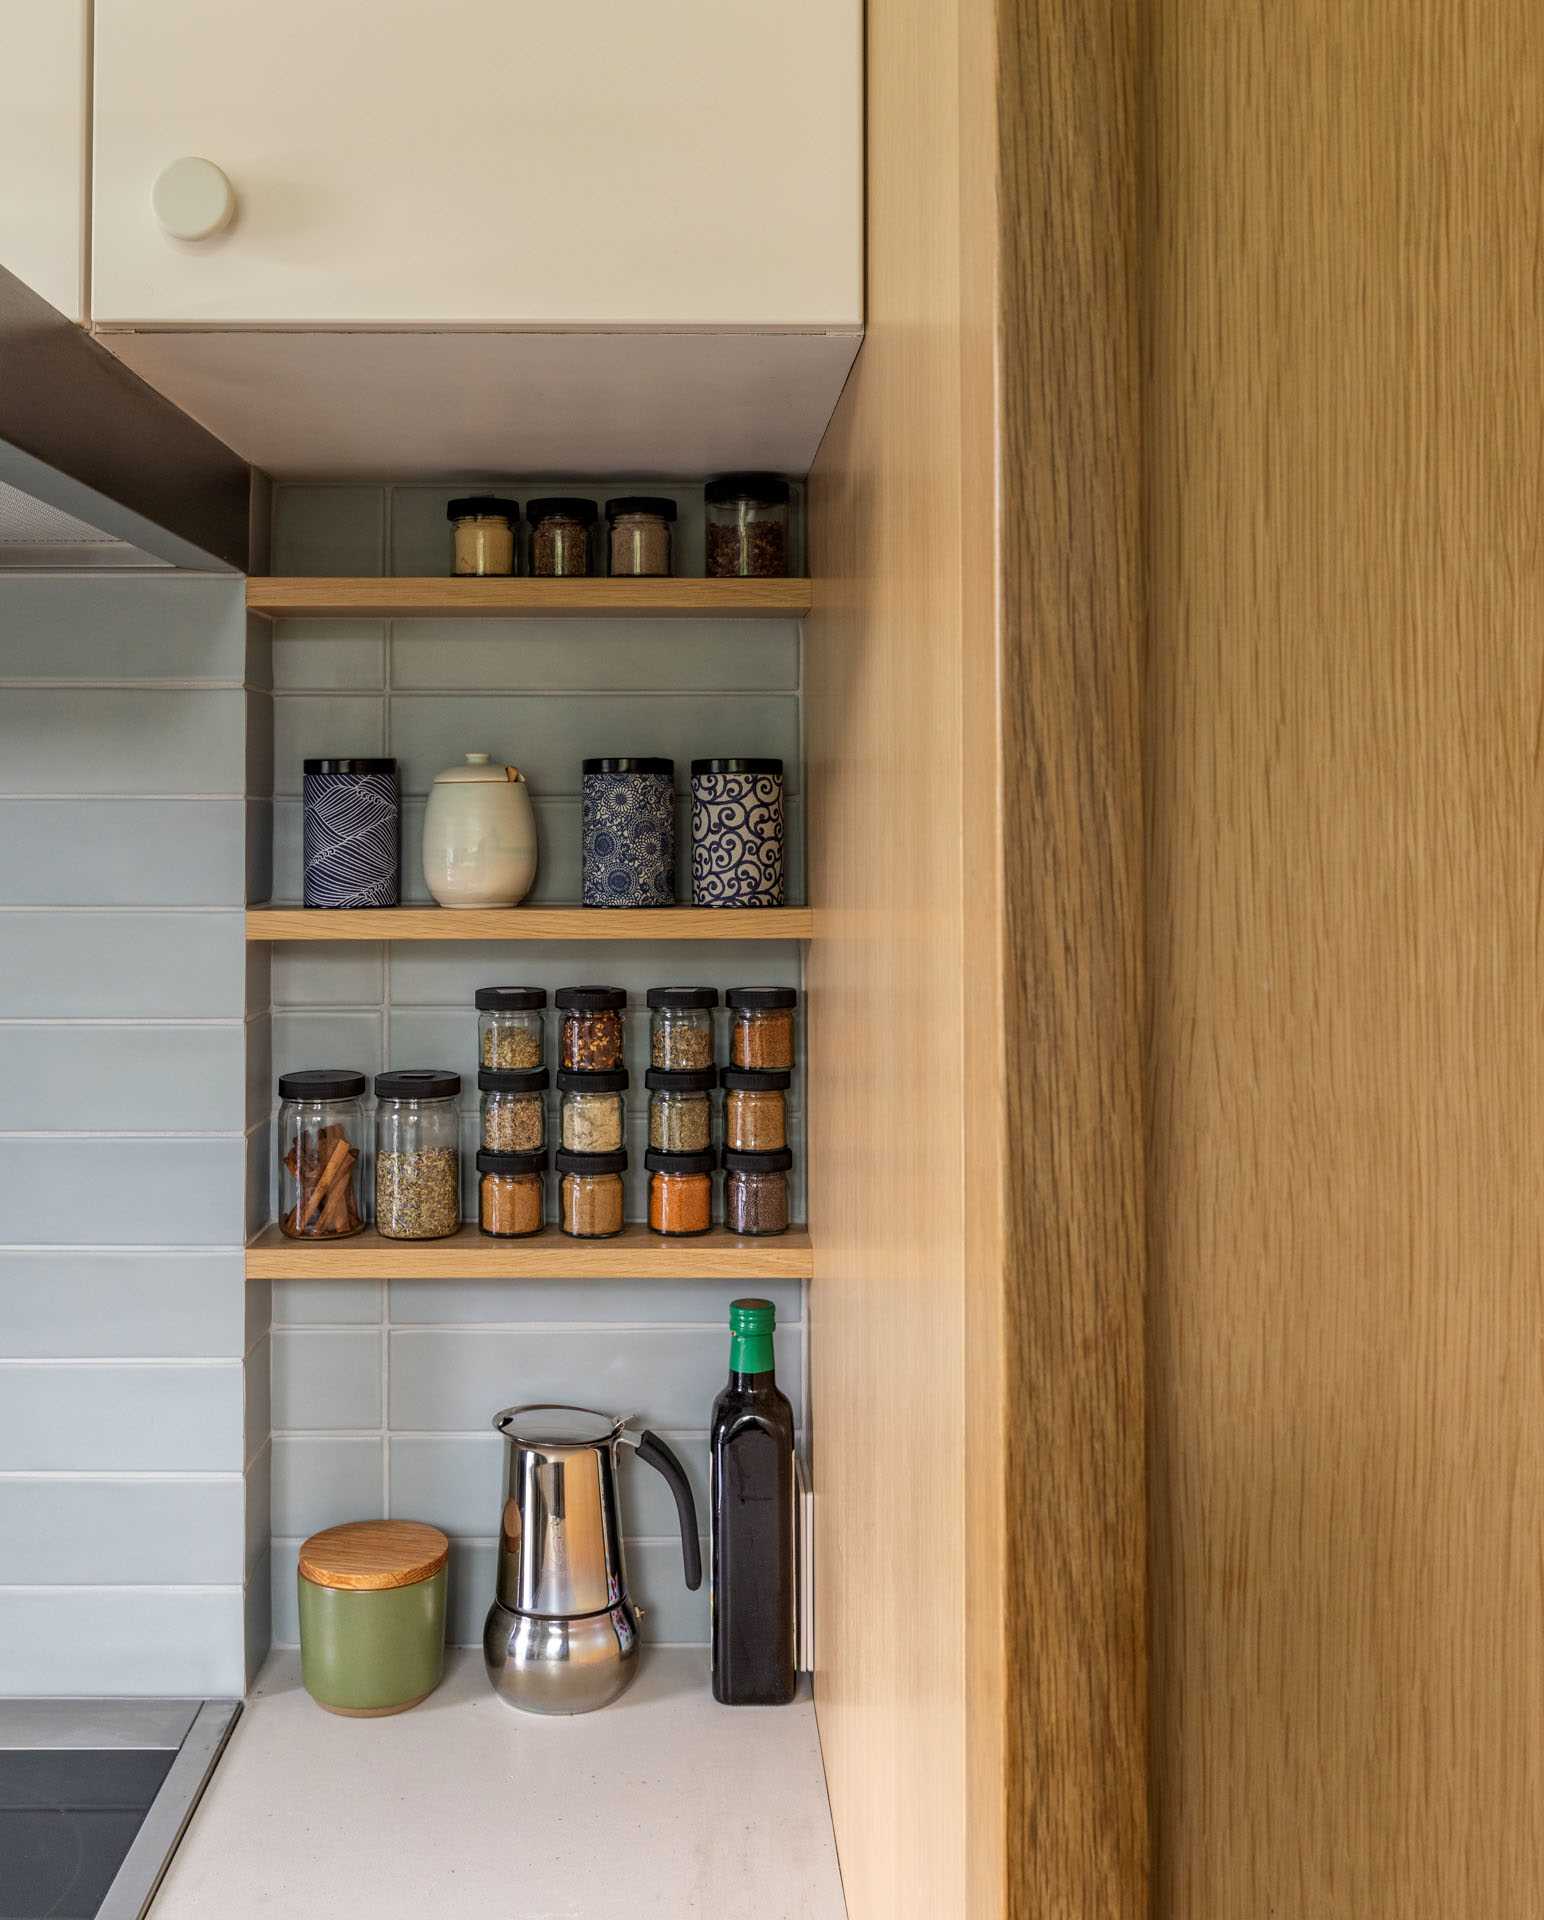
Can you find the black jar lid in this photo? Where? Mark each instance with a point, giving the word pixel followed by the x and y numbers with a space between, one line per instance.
pixel 627 763
pixel 658 1162
pixel 589 999
pixel 766 489
pixel 778 1161
pixel 756 1079
pixel 488 1162
pixel 737 766
pixel 561 504
pixel 417 1083
pixel 349 766
pixel 322 1083
pixel 512 1079
pixel 509 999
pixel 603 1080
pixel 590 1162
pixel 684 1080
pixel 481 503
pixel 641 503
pixel 682 999
pixel 758 999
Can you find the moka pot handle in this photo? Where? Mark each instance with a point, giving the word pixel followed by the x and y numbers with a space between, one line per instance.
pixel 653 1449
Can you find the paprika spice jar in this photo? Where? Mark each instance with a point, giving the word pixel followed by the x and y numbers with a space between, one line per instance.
pixel 680 1192
pixel 511 1194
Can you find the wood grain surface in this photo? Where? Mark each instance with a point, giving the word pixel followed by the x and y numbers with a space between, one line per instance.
pixel 529 923
pixel 371 1555
pixel 469 1254
pixel 405 597
pixel 1347 1104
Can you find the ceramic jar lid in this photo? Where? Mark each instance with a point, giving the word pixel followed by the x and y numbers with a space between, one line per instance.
pixel 370 1555
pixel 480 769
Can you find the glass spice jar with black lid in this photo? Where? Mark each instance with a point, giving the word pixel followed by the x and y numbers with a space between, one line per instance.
pixel 755 1110
pixel 590 1194
pixel 511 1194
pixel 590 1033
pixel 756 1192
pixel 561 529
pixel 680 1110
pixel 509 1027
pixel 591 1119
pixel 321 1153
pixel 747 526
pixel 514 1109
pixel 761 1027
pixel 681 1028
pixel 483 533
pixel 639 540
pixel 680 1192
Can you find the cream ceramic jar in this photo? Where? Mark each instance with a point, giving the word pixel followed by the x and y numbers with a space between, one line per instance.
pixel 479 836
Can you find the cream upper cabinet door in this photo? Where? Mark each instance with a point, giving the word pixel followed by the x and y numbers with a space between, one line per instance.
pixel 43 147
pixel 479 162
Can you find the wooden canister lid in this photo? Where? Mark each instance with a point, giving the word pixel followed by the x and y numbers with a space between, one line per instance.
pixel 371 1554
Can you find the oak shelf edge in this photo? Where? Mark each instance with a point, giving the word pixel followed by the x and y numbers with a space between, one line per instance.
pixel 529 923
pixel 634 1254
pixel 405 597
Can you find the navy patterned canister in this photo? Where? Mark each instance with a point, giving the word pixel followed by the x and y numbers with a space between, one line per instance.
pixel 629 833
pixel 737 833
pixel 351 827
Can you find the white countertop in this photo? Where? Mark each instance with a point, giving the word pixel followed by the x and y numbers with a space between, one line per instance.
pixel 663 1805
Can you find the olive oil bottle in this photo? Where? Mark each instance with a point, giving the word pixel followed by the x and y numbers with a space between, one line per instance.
pixel 752 1499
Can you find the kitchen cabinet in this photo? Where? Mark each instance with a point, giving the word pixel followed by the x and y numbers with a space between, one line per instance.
pixel 43 148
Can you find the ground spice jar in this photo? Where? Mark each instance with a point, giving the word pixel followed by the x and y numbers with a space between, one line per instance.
pixel 747 524
pixel 560 536
pixel 483 534
pixel 640 535
pixel 509 1026
pixel 591 1120
pixel 761 1027
pixel 755 1111
pixel 511 1194
pixel 681 1028
pixel 514 1110
pixel 680 1192
pixel 321 1153
pixel 417 1154
pixel 590 1194
pixel 756 1192
pixel 627 826
pixel 737 833
pixel 680 1112
pixel 590 1036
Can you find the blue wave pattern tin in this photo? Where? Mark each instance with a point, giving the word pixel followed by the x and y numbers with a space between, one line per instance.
pixel 351 830
pixel 737 833
pixel 629 833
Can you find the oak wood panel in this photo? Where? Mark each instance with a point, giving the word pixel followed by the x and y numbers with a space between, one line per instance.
pixel 530 923
pixel 1346 694
pixel 468 1254
pixel 406 597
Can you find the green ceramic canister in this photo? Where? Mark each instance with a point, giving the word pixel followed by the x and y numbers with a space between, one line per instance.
pixel 372 1615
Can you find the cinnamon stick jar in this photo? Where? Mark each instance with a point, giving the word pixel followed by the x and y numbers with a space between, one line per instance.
pixel 321 1153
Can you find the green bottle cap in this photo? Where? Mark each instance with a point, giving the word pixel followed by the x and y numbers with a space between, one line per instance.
pixel 750 1327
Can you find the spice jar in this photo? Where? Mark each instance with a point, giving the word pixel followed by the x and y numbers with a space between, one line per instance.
pixel 680 1112
pixel 681 1027
pixel 628 828
pixel 511 1196
pixel 560 536
pixel 514 1109
pixel 756 1192
pixel 680 1192
pixel 321 1153
pixel 509 1026
pixel 590 1194
pixel 755 1111
pixel 592 1111
pixel 483 533
pixel 590 1038
pixel 351 833
pixel 747 515
pixel 737 833
pixel 640 534
pixel 761 1027
pixel 417 1154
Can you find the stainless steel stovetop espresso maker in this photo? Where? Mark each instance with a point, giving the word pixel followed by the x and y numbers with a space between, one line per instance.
pixel 562 1637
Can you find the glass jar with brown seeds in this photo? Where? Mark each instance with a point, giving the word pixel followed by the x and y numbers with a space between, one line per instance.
pixel 591 1119
pixel 510 1027
pixel 761 1027
pixel 747 525
pixel 590 1194
pixel 681 1028
pixel 561 530
pixel 680 1110
pixel 756 1192
pixel 755 1110
pixel 514 1110
pixel 640 535
pixel 511 1194
pixel 590 1036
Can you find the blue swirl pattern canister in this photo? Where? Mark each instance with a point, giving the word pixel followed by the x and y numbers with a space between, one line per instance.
pixel 351 829
pixel 629 833
pixel 737 833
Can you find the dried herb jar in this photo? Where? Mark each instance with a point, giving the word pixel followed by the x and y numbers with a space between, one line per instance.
pixel 737 833
pixel 372 1615
pixel 592 1117
pixel 628 829
pixel 511 1194
pixel 590 1194
pixel 761 1027
pixel 639 535
pixel 561 529
pixel 681 1028
pixel 510 1026
pixel 747 516
pixel 680 1110
pixel 756 1192
pixel 755 1110
pixel 680 1192
pixel 590 1034
pixel 514 1109
pixel 321 1153
pixel 483 534
pixel 417 1154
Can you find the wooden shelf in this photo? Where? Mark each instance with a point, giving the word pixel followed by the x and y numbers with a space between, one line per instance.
pixel 530 923
pixel 405 598
pixel 635 1254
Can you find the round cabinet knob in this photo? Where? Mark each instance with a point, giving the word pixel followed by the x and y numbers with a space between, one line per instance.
pixel 193 199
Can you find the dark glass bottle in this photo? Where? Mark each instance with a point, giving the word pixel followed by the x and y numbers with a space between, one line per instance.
pixel 752 1492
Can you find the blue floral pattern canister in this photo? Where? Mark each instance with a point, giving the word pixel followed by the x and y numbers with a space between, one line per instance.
pixel 351 832
pixel 737 833
pixel 629 833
